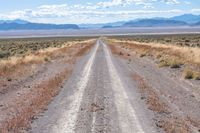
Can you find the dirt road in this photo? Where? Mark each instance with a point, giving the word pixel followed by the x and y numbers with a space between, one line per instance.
pixel 99 97
pixel 107 94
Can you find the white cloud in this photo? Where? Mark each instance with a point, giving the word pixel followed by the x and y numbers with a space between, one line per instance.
pixel 145 3
pixel 196 10
pixel 61 13
pixel 171 1
pixel 94 12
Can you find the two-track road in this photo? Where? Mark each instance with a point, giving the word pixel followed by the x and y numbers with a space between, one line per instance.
pixel 99 97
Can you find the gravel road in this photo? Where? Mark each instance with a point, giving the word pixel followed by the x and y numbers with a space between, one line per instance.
pixel 99 97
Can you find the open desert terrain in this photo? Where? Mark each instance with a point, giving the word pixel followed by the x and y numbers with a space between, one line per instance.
pixel 113 84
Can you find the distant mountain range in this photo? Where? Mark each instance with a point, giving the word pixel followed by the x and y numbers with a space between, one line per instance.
pixel 154 23
pixel 18 21
pixel 177 21
pixel 25 25
pixel 188 18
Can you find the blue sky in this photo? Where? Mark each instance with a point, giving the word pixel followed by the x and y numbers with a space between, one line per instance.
pixel 94 11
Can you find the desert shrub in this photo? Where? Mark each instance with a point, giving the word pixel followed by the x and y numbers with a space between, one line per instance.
pixel 183 39
pixel 4 54
pixel 13 47
pixel 190 74
pixel 172 63
pixel 175 64
pixel 142 54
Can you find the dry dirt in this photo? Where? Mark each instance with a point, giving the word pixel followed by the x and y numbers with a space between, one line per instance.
pixel 28 89
pixel 174 100
pixel 100 87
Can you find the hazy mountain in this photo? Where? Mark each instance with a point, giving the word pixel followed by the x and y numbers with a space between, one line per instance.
pixel 91 25
pixel 197 24
pixel 35 26
pixel 18 21
pixel 154 23
pixel 189 18
pixel 182 20
pixel 102 25
pixel 107 26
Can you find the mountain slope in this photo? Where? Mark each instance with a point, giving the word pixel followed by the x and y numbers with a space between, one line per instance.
pixel 182 20
pixel 35 26
pixel 154 23
pixel 189 18
pixel 196 24
pixel 18 21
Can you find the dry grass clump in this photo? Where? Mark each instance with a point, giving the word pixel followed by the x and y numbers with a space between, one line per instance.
pixel 190 74
pixel 172 63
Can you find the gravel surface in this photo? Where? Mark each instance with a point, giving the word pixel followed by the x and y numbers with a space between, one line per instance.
pixel 108 93
pixel 99 97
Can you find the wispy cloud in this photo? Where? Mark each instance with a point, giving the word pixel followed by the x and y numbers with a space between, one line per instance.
pixel 94 12
pixel 65 11
pixel 171 1
pixel 145 3
pixel 196 10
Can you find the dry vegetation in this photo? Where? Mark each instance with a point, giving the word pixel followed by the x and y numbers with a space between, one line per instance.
pixel 20 47
pixel 189 40
pixel 45 50
pixel 169 122
pixel 27 106
pixel 152 98
pixel 173 56
pixel 191 74
pixel 17 113
pixel 166 55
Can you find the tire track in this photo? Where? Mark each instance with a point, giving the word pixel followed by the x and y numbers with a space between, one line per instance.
pixel 128 120
pixel 69 125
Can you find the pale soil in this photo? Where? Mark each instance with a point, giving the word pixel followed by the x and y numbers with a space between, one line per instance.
pixel 98 97
pixel 26 92
pixel 174 100
pixel 111 90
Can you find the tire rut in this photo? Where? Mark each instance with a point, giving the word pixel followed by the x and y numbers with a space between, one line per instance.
pixel 94 100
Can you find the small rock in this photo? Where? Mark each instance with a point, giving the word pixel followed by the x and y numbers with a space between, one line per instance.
pixel 120 53
pixel 9 79
pixel 193 96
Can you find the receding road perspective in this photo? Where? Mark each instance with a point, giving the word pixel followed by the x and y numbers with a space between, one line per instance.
pixel 101 84
pixel 101 66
